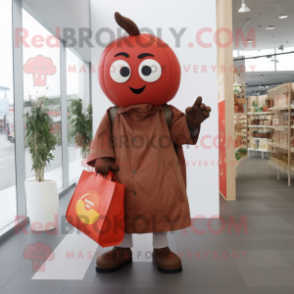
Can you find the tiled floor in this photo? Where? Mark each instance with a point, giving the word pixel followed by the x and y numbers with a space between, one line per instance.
pixel 249 250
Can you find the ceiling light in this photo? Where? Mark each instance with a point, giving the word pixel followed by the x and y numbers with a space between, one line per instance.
pixel 273 60
pixel 270 27
pixel 243 8
pixel 281 47
pixel 281 16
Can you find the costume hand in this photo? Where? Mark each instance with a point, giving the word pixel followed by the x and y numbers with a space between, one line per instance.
pixel 104 165
pixel 196 114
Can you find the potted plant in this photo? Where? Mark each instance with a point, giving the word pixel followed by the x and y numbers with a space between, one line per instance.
pixel 254 106
pixel 81 125
pixel 41 194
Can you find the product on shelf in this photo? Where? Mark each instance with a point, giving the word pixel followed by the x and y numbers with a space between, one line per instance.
pixel 282 139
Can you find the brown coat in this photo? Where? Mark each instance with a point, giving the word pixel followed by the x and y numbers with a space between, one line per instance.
pixel 154 176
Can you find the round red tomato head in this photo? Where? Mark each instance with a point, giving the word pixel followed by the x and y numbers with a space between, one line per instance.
pixel 138 69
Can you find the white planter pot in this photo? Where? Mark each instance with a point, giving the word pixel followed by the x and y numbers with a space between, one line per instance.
pixel 42 204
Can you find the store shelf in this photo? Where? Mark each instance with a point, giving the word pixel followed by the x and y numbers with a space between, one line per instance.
pixel 259 126
pixel 239 114
pixel 281 128
pixel 260 150
pixel 285 147
pixel 282 166
pixel 278 108
pixel 256 138
pixel 257 113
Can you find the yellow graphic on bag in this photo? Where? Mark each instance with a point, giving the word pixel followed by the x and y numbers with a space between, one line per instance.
pixel 88 207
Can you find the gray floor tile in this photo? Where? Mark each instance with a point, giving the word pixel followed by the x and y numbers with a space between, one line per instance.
pixel 244 243
pixel 268 221
pixel 267 277
pixel 251 290
pixel 24 278
pixel 279 243
pixel 285 232
pixel 104 290
pixel 280 206
pixel 258 258
pixel 88 279
pixel 7 273
pixel 145 275
pixel 252 205
pixel 289 220
pixel 31 290
pixel 206 258
pixel 155 291
pixel 287 255
pixel 217 291
pixel 199 244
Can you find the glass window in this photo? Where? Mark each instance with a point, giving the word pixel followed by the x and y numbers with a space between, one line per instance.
pixel 235 53
pixel 76 83
pixel 285 62
pixel 259 64
pixel 7 142
pixel 41 57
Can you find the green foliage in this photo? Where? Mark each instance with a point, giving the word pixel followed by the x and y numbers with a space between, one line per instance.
pixel 254 103
pixel 39 139
pixel 81 125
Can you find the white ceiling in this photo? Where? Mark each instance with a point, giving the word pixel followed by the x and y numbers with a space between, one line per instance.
pixel 262 14
pixel 257 81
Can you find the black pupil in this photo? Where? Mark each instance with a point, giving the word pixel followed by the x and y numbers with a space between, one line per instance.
pixel 146 70
pixel 124 71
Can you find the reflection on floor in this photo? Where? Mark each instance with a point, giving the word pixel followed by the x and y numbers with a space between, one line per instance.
pixel 249 250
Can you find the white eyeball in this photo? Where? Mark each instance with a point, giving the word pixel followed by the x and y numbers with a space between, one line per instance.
pixel 120 71
pixel 150 70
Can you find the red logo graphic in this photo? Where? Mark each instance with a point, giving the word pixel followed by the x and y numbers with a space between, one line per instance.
pixel 39 253
pixel 40 67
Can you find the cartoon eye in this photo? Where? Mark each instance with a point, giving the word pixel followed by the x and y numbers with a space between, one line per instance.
pixel 35 253
pixel 35 67
pixel 120 71
pixel 150 70
pixel 42 252
pixel 44 66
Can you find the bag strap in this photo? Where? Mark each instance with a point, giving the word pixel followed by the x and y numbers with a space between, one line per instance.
pixel 167 114
pixel 168 118
pixel 112 114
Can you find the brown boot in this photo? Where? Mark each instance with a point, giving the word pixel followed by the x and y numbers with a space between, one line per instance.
pixel 166 261
pixel 113 260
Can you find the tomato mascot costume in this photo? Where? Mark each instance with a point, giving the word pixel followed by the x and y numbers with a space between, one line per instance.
pixel 142 140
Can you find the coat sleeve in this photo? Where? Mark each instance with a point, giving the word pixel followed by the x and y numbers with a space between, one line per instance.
pixel 179 130
pixel 102 144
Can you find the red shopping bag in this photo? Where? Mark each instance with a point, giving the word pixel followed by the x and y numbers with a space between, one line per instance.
pixel 97 208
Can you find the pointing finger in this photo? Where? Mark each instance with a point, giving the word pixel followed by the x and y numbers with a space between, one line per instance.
pixel 198 101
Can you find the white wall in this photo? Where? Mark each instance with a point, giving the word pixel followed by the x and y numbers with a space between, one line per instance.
pixel 203 188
